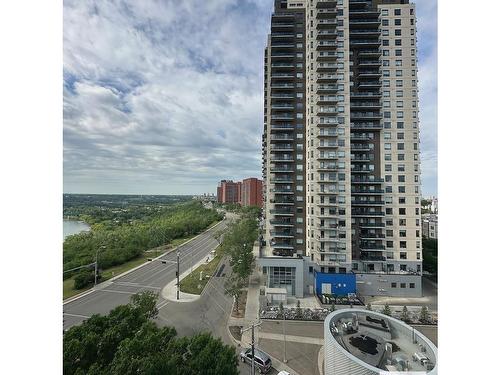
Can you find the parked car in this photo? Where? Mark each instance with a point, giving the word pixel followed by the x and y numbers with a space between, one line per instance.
pixel 283 373
pixel 262 360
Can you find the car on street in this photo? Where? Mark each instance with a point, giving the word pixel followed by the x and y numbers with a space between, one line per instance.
pixel 262 361
pixel 283 373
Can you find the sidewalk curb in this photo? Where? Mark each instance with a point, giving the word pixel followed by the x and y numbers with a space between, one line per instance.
pixel 107 282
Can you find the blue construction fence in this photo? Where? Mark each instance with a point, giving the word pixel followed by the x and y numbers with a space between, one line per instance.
pixel 341 284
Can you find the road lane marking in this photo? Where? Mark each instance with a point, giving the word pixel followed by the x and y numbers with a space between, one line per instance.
pixel 214 300
pixel 135 285
pixel 161 305
pixel 116 291
pixel 77 315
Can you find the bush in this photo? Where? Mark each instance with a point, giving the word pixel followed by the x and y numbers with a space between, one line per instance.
pixel 83 278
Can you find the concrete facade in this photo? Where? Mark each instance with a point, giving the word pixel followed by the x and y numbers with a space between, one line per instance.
pixel 341 159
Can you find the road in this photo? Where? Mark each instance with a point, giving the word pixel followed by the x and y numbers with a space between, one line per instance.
pixel 152 276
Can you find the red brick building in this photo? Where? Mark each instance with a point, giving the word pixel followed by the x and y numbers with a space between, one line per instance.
pixel 229 192
pixel 251 192
pixel 247 192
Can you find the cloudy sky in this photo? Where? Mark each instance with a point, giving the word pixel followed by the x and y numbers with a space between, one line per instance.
pixel 166 97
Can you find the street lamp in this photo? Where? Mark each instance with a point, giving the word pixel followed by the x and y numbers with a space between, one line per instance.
pixel 95 264
pixel 178 284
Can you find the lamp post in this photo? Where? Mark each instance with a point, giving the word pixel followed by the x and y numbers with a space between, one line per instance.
pixel 95 264
pixel 284 338
pixel 178 284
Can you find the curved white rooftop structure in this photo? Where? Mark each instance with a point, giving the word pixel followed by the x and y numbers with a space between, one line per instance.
pixel 359 342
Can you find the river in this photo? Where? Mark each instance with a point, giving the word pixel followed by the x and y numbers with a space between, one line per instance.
pixel 73 227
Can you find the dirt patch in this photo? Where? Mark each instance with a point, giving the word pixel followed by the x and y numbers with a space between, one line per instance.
pixel 241 306
pixel 236 332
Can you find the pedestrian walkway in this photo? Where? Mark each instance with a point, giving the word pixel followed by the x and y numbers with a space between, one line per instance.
pixel 169 292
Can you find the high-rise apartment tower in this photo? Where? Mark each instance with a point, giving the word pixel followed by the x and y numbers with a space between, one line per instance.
pixel 341 162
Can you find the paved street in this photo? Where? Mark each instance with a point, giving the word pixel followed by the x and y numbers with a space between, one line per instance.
pixel 152 276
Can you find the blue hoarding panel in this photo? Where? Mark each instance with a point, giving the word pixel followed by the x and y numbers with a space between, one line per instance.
pixel 341 284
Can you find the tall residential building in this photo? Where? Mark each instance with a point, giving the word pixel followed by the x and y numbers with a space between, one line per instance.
pixel 341 160
pixel 229 192
pixel 251 192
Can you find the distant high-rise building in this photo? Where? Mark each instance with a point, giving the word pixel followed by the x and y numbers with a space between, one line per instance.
pixel 228 191
pixel 341 159
pixel 251 192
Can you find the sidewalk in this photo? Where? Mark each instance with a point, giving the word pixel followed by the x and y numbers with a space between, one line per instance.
pixel 169 292
pixel 252 316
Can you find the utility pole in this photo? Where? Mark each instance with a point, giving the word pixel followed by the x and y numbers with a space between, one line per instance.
pixel 284 338
pixel 252 327
pixel 95 265
pixel 178 283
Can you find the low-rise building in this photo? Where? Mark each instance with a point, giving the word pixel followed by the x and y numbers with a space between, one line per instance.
pixel 430 226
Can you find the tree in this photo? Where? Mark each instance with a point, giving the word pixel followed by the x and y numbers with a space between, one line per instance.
pixel 369 306
pixel 387 310
pixel 424 315
pixel 332 308
pixel 146 303
pixel 281 310
pixel 218 236
pixel 127 342
pixel 298 312
pixel 84 277
pixel 234 287
pixel 405 316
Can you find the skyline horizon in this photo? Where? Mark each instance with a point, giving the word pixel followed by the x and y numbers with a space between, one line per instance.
pixel 155 101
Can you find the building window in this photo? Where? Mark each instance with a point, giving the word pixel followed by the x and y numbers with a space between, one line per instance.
pixel 385 22
pixel 402 211
pixel 397 12
pixel 403 285
pixel 397 42
pixel 398 52
pixel 401 178
pixel 389 244
pixel 412 285
pixel 394 285
pixel 397 32
pixel 385 42
pixel 399 62
pixel 397 22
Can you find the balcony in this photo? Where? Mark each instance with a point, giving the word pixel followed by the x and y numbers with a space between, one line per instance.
pixel 366 126
pixel 361 137
pixel 282 96
pixel 365 105
pixel 282 25
pixel 281 137
pixel 282 201
pixel 281 147
pixel 282 65
pixel 281 159
pixel 331 156
pixel 369 84
pixel 282 45
pixel 282 127
pixel 364 32
pixel 373 258
pixel 328 145
pixel 282 86
pixel 364 42
pixel 328 77
pixel 327 167
pixel 326 44
pixel 329 133
pixel 283 55
pixel 372 235
pixel 281 75
pixel 371 225
pixel 367 192
pixel 283 106
pixel 281 190
pixel 322 66
pixel 366 94
pixel 326 22
pixel 369 63
pixel 360 213
pixel 367 203
pixel 362 160
pixel 282 35
pixel 281 181
pixel 371 247
pixel 281 234
pixel 323 88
